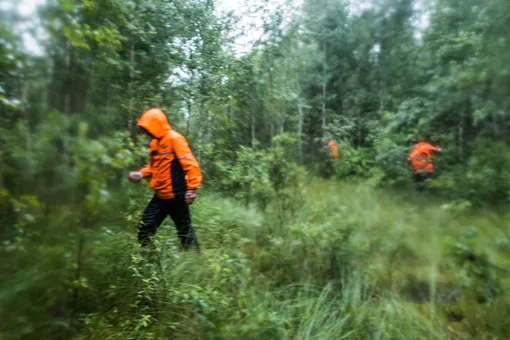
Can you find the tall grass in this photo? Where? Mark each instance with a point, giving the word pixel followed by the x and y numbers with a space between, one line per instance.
pixel 352 262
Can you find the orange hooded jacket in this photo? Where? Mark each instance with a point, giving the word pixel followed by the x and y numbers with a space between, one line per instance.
pixel 421 158
pixel 334 149
pixel 172 166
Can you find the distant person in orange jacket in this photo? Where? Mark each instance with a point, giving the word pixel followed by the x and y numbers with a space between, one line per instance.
pixel 421 159
pixel 175 177
pixel 333 147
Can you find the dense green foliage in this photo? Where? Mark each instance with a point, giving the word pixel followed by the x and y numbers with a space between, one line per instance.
pixel 357 254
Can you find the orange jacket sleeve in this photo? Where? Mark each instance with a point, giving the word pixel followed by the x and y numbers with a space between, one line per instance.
pixel 433 148
pixel 147 171
pixel 188 162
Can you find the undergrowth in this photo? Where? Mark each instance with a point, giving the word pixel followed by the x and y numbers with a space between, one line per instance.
pixel 351 262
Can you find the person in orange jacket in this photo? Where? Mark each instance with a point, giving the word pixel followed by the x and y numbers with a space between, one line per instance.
pixel 175 177
pixel 421 159
pixel 333 147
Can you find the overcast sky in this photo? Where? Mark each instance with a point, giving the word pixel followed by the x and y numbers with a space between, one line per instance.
pixel 249 26
pixel 28 8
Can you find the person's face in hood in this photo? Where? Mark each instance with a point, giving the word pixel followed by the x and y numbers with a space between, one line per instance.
pixel 143 131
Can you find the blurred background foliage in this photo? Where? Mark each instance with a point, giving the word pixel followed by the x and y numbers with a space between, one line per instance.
pixel 297 246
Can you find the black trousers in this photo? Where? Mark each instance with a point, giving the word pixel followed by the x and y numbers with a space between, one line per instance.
pixel 421 177
pixel 155 213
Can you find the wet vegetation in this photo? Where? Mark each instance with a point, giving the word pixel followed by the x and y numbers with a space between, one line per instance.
pixel 295 244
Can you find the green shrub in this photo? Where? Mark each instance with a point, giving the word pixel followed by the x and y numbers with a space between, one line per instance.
pixel 482 179
pixel 354 161
pixel 391 159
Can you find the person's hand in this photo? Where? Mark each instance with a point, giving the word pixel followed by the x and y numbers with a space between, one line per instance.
pixel 190 196
pixel 135 176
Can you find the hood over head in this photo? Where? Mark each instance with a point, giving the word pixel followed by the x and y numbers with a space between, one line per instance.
pixel 155 121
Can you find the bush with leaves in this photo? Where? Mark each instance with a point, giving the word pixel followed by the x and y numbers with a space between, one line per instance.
pixel 354 161
pixel 247 177
pixel 55 190
pixel 390 159
pixel 482 179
